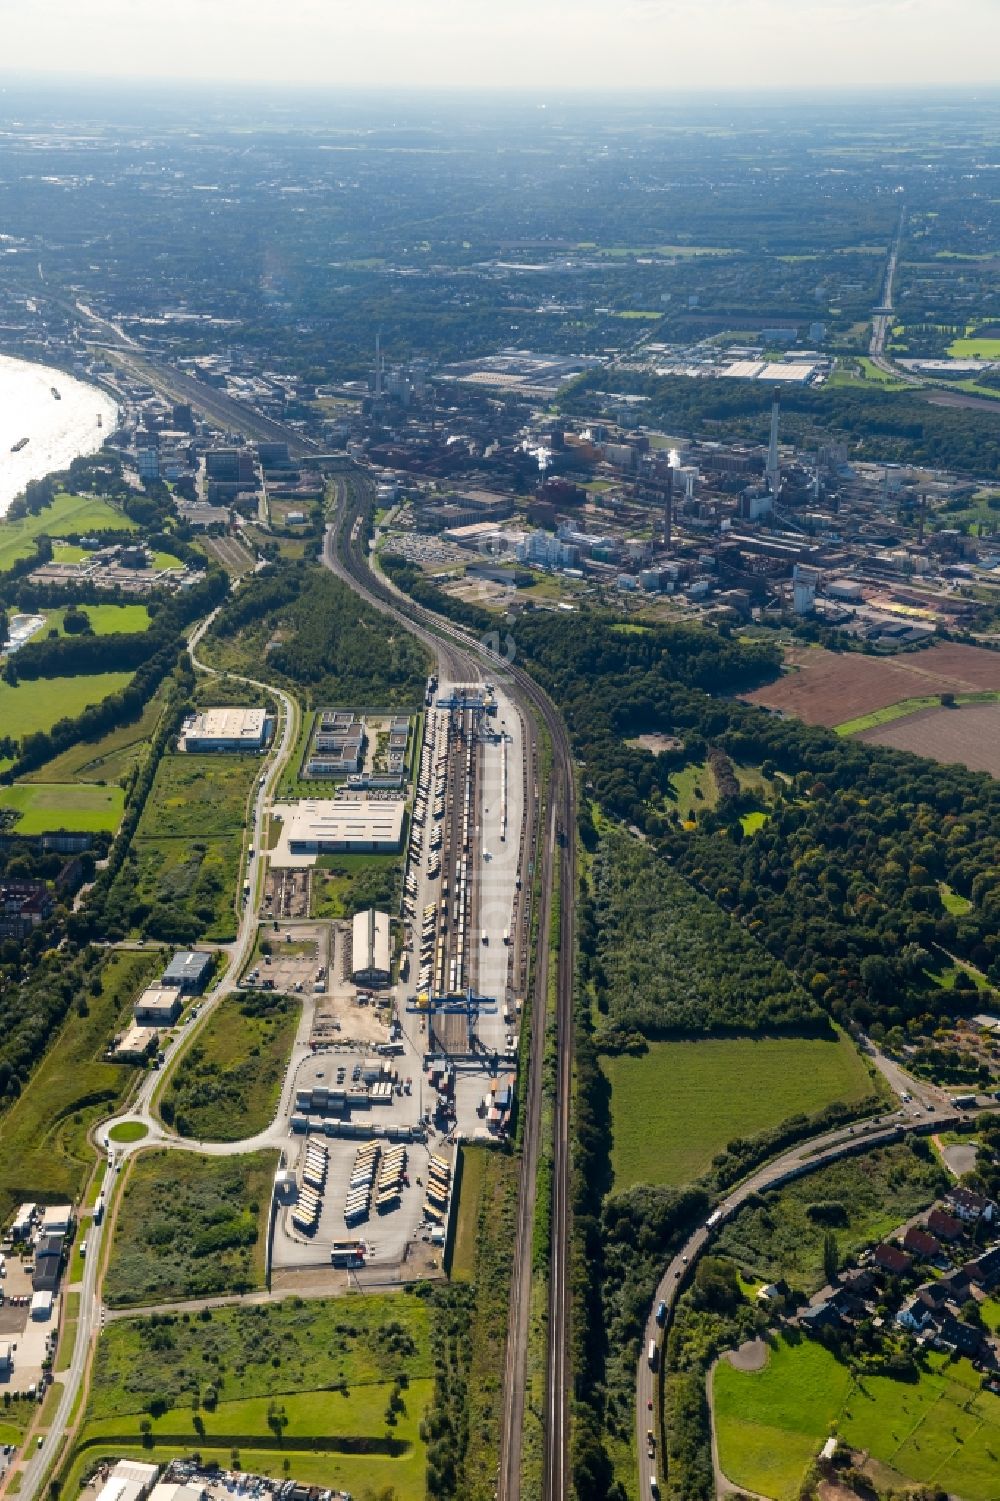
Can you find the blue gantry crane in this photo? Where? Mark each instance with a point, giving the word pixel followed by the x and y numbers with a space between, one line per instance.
pixel 466 1002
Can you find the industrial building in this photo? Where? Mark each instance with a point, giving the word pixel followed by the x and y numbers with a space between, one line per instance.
pixel 159 1006
pixel 136 1045
pixel 226 730
pixel 130 1480
pixel 370 951
pixel 330 828
pixel 188 972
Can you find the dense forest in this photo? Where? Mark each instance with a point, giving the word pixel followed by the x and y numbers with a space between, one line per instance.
pixel 844 879
pixel 668 962
pixel 317 638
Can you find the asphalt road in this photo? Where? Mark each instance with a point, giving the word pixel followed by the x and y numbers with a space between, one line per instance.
pixel 91 1315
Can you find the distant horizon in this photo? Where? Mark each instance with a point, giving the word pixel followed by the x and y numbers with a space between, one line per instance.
pixel 526 45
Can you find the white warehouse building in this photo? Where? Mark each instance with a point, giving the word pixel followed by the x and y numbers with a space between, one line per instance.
pixel 370 948
pixel 227 730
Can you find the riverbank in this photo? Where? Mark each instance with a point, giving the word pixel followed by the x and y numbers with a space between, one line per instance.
pixel 60 416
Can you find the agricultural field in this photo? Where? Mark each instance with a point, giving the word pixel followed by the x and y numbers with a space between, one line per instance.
pixel 46 1154
pixel 941 1431
pixel 967 733
pixel 676 1105
pixel 863 1199
pixel 342 1384
pixel 38 704
pixel 67 516
pixel 829 688
pixel 79 806
pixel 229 1081
pixel 189 1227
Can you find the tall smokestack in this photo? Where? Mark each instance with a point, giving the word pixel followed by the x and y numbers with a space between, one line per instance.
pixel 668 510
pixel 773 466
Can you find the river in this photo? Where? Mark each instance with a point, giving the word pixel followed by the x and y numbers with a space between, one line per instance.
pixel 57 431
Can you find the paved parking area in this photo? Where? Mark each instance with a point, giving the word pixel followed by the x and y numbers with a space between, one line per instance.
pixel 387 1236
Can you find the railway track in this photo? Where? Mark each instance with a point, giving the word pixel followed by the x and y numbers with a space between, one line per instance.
pixel 345 554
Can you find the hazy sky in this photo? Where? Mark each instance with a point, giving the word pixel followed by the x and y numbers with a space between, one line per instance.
pixel 516 43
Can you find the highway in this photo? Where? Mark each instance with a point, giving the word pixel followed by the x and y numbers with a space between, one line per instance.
pixel 91 1316
pixel 883 314
pixel 345 553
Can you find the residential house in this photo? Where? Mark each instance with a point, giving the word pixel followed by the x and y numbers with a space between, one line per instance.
pixel 945 1226
pixel 921 1244
pixel 891 1259
pixel 985 1270
pixel 970 1207
pixel 960 1337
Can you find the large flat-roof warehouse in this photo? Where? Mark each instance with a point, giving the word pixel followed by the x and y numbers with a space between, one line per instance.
pixel 226 729
pixel 329 827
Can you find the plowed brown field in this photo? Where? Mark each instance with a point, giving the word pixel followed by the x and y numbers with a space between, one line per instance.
pixel 828 688
pixel 969 734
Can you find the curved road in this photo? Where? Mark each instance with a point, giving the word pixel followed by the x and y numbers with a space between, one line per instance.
pixel 91 1315
pixel 930 1111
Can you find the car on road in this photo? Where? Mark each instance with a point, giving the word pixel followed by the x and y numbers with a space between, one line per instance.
pixel 661 1312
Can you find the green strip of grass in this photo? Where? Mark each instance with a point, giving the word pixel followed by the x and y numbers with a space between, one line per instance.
pixel 907 706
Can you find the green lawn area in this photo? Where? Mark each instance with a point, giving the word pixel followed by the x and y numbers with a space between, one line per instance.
pixel 45 1150
pixel 164 560
pixel 471 1173
pixel 189 1227
pixel 128 1131
pixel 45 806
pixel 679 1103
pixel 780 1235
pixel 941 1431
pixel 106 760
pixel 952 902
pixel 694 787
pixel 295 1421
pixel 68 515
pixel 753 821
pixel 105 620
pixel 229 1080
pixel 38 704
pixel 973 348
